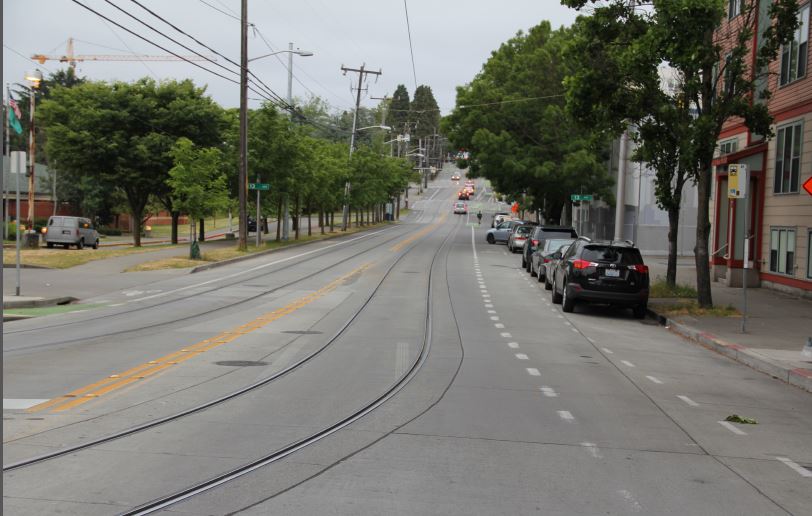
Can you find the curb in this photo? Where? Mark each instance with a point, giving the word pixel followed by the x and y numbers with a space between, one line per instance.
pixel 801 378
pixel 38 303
pixel 205 267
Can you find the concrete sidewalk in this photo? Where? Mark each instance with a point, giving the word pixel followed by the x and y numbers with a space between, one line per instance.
pixel 777 326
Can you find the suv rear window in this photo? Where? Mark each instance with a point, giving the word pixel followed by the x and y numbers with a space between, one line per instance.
pixel 611 254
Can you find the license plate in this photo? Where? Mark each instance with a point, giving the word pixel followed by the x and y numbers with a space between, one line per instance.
pixel 612 273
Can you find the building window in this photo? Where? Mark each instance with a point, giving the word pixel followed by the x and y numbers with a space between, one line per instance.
pixel 782 251
pixel 793 54
pixel 788 158
pixel 734 8
pixel 728 147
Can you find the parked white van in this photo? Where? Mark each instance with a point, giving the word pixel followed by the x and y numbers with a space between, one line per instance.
pixel 70 231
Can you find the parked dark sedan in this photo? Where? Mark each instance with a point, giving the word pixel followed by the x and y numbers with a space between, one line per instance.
pixel 601 272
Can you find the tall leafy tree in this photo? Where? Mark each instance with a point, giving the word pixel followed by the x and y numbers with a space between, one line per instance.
pixel 424 113
pixel 511 118
pixel 121 134
pixel 718 80
pixel 197 184
pixel 398 115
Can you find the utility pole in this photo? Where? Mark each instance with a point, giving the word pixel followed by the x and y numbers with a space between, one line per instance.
pixel 242 182
pixel 285 210
pixel 347 187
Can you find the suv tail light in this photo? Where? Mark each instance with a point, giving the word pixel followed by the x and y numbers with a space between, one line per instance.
pixel 642 269
pixel 535 242
pixel 583 264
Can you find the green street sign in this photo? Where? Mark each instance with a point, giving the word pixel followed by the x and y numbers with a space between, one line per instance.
pixel 259 186
pixel 581 197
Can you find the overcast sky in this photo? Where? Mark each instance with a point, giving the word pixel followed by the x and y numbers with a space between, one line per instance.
pixel 451 41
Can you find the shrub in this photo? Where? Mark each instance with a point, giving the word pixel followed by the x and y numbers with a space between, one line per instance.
pixel 107 231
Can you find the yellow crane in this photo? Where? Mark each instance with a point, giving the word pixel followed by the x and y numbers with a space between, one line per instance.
pixel 71 58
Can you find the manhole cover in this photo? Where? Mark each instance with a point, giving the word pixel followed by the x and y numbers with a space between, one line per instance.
pixel 303 332
pixel 241 363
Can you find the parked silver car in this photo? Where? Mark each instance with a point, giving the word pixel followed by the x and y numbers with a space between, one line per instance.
pixel 550 264
pixel 502 232
pixel 68 231
pixel 518 238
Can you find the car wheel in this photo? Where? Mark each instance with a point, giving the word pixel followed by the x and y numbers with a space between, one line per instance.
pixel 555 295
pixel 640 311
pixel 80 244
pixel 96 244
pixel 524 262
pixel 567 302
pixel 540 276
pixel 50 245
pixel 533 272
pixel 547 284
pixel 490 239
pixel 527 267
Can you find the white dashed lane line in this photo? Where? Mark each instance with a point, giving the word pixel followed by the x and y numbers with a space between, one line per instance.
pixel 548 391
pixel 608 351
pixel 488 305
pixel 655 380
pixel 593 450
pixel 688 400
pixel 798 469
pixel 499 325
pixel 627 363
pixel 732 428
pixel 521 356
pixel 566 416
pixel 491 311
pixel 506 335
pixel 494 317
pixel 532 371
pixel 513 345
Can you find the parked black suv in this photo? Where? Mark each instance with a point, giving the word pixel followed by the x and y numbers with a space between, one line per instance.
pixel 537 238
pixel 601 272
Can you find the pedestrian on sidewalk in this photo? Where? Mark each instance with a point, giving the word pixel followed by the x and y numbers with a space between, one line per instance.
pixel 479 217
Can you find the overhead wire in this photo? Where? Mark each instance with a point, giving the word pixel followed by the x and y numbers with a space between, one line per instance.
pixel 411 48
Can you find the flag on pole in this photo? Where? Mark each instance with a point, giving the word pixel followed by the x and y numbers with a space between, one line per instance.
pixel 14 116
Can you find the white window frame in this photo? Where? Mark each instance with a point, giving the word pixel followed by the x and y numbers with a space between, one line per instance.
pixel 734 8
pixel 809 254
pixel 781 262
pixel 794 56
pixel 795 133
pixel 733 145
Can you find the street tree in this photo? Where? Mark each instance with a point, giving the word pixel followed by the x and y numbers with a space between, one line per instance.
pixel 398 115
pixel 512 121
pixel 717 79
pixel 121 134
pixel 424 113
pixel 197 184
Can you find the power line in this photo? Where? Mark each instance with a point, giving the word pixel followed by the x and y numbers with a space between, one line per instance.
pixel 466 106
pixel 411 48
pixel 28 58
pixel 220 10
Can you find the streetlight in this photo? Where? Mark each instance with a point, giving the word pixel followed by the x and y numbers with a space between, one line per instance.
pixel 35 78
pixel 243 173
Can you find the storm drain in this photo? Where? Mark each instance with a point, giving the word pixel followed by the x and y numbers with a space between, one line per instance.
pixel 303 332
pixel 241 363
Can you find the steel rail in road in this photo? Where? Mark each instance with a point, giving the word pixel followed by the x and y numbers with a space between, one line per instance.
pixel 196 294
pixel 198 408
pixel 201 487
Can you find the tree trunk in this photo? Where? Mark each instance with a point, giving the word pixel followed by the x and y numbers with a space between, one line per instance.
pixel 278 220
pixel 321 219
pixel 202 231
pixel 332 221
pixel 397 209
pixel 175 221
pixel 309 219
pixel 673 231
pixel 296 219
pixel 703 282
pixel 136 222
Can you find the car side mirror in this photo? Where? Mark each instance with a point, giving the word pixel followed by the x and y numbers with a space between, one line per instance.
pixel 556 256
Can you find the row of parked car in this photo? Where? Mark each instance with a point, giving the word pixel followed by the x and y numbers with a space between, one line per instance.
pixel 577 269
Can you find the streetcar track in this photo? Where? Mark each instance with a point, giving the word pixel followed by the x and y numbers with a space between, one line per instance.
pixel 25 350
pixel 203 406
pixel 198 293
pixel 206 485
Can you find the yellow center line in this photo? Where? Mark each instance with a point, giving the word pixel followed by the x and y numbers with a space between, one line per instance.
pixel 423 232
pixel 140 372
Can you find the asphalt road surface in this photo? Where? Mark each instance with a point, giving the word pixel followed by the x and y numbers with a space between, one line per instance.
pixel 409 370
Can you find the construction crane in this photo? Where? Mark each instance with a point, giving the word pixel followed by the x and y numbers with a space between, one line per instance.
pixel 72 58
